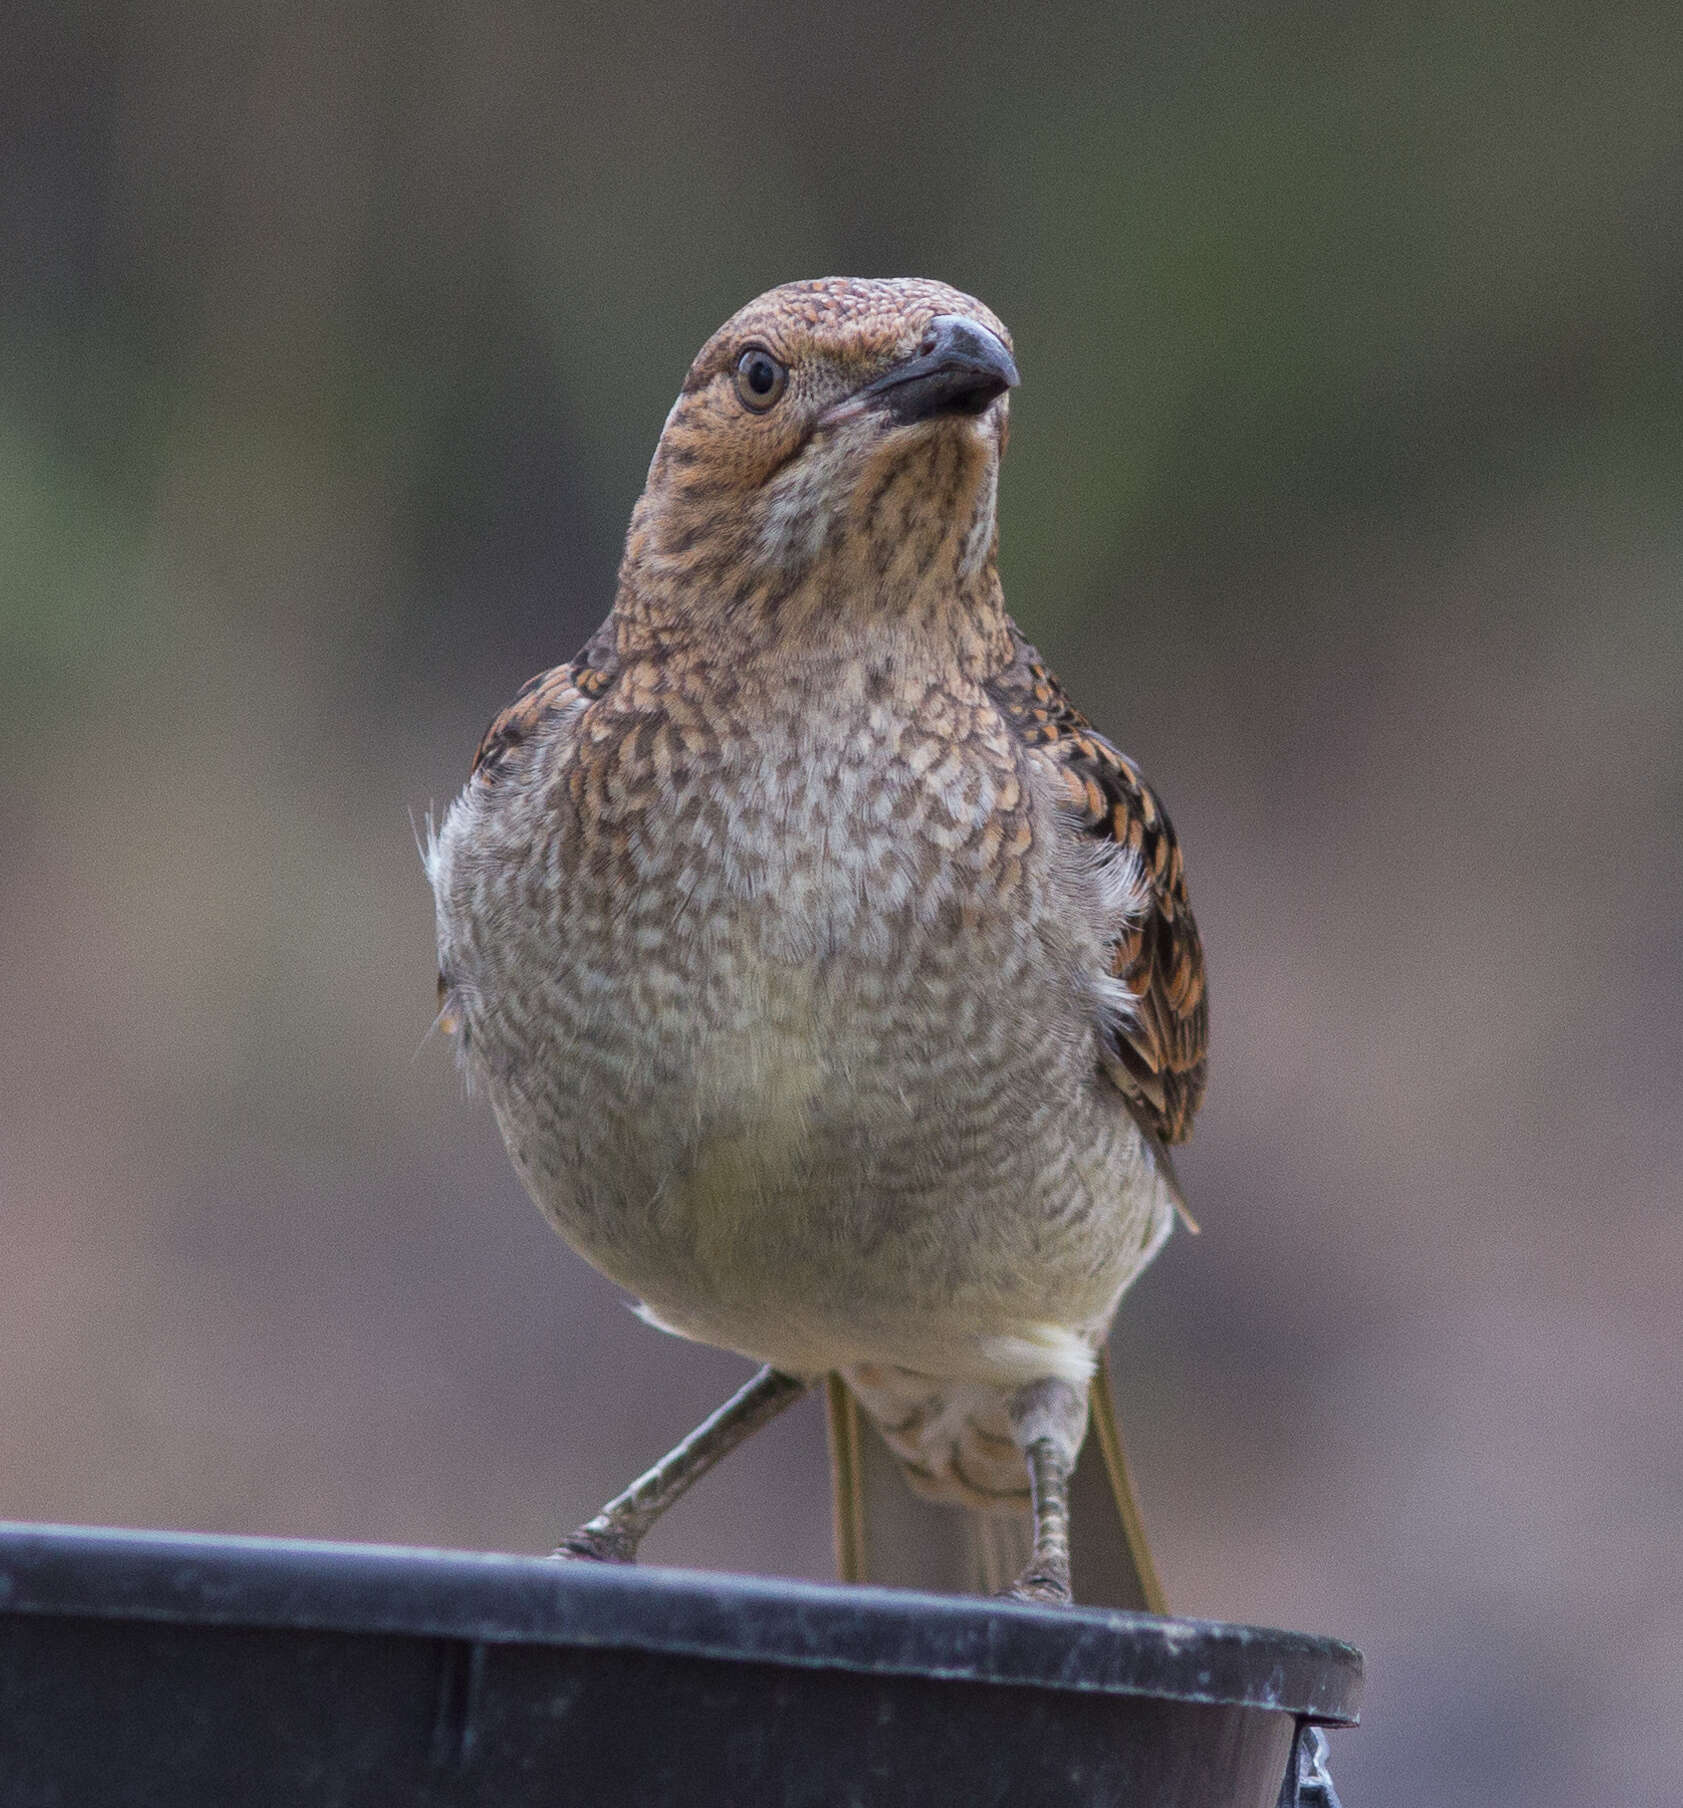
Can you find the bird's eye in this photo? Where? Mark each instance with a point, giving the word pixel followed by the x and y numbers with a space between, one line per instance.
pixel 760 379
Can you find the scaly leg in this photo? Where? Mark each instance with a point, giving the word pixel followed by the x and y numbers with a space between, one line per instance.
pixel 1048 1420
pixel 614 1534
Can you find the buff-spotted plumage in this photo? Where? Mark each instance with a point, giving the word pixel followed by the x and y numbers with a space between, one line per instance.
pixel 833 980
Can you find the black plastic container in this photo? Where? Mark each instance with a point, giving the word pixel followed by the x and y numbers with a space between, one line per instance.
pixel 142 1668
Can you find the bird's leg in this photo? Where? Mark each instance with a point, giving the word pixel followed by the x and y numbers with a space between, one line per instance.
pixel 1048 1420
pixel 614 1534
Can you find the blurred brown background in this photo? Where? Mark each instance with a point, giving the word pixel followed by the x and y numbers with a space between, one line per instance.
pixel 1344 490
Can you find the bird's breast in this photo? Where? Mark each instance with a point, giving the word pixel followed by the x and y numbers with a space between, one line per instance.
pixel 786 1000
pixel 780 876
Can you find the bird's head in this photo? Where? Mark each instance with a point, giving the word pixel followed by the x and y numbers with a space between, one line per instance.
pixel 837 439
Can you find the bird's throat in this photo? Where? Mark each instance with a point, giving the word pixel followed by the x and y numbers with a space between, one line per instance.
pixel 895 552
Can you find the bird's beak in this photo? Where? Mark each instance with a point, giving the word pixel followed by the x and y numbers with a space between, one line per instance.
pixel 959 369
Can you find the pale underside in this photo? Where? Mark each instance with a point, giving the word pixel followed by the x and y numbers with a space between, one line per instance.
pixel 792 1022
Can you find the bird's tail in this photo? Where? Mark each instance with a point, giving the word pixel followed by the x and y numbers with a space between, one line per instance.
pixel 887 1534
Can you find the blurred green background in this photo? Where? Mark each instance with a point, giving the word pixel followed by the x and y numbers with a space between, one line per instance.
pixel 1344 492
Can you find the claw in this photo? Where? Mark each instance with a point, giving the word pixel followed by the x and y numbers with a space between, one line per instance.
pixel 1040 1587
pixel 596 1544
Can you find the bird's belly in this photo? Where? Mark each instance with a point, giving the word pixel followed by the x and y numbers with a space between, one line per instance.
pixel 816 1152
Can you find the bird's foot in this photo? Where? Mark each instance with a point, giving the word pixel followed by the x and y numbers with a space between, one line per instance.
pixel 1041 1585
pixel 597 1543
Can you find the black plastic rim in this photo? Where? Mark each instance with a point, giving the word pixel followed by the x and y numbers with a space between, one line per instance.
pixel 190 1579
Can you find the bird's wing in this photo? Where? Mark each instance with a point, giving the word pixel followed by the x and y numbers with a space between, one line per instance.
pixel 562 687
pixel 1158 1050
